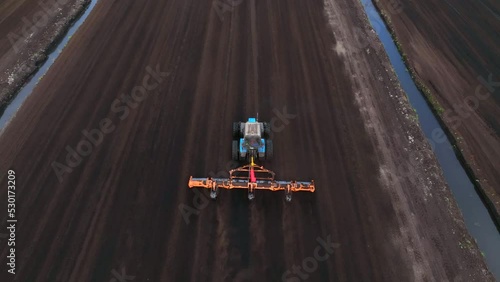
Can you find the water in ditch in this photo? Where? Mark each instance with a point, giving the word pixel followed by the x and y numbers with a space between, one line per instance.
pixel 27 89
pixel 479 222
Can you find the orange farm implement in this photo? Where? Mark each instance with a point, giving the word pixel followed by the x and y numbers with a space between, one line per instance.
pixel 251 177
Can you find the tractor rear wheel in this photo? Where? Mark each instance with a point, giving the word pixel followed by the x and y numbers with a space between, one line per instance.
pixel 269 150
pixel 236 130
pixel 235 151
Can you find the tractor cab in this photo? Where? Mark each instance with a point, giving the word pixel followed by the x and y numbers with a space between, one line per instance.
pixel 252 136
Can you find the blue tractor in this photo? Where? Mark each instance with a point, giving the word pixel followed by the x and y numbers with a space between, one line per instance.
pixel 251 139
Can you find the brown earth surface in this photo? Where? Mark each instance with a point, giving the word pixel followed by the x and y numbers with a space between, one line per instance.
pixel 121 208
pixel 454 48
pixel 28 31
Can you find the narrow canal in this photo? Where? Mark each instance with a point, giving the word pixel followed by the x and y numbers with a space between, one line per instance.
pixel 11 109
pixel 477 218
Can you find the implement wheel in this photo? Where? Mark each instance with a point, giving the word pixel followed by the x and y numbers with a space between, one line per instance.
pixel 235 151
pixel 269 150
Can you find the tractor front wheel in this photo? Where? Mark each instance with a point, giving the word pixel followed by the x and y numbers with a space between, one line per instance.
pixel 267 130
pixel 236 130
